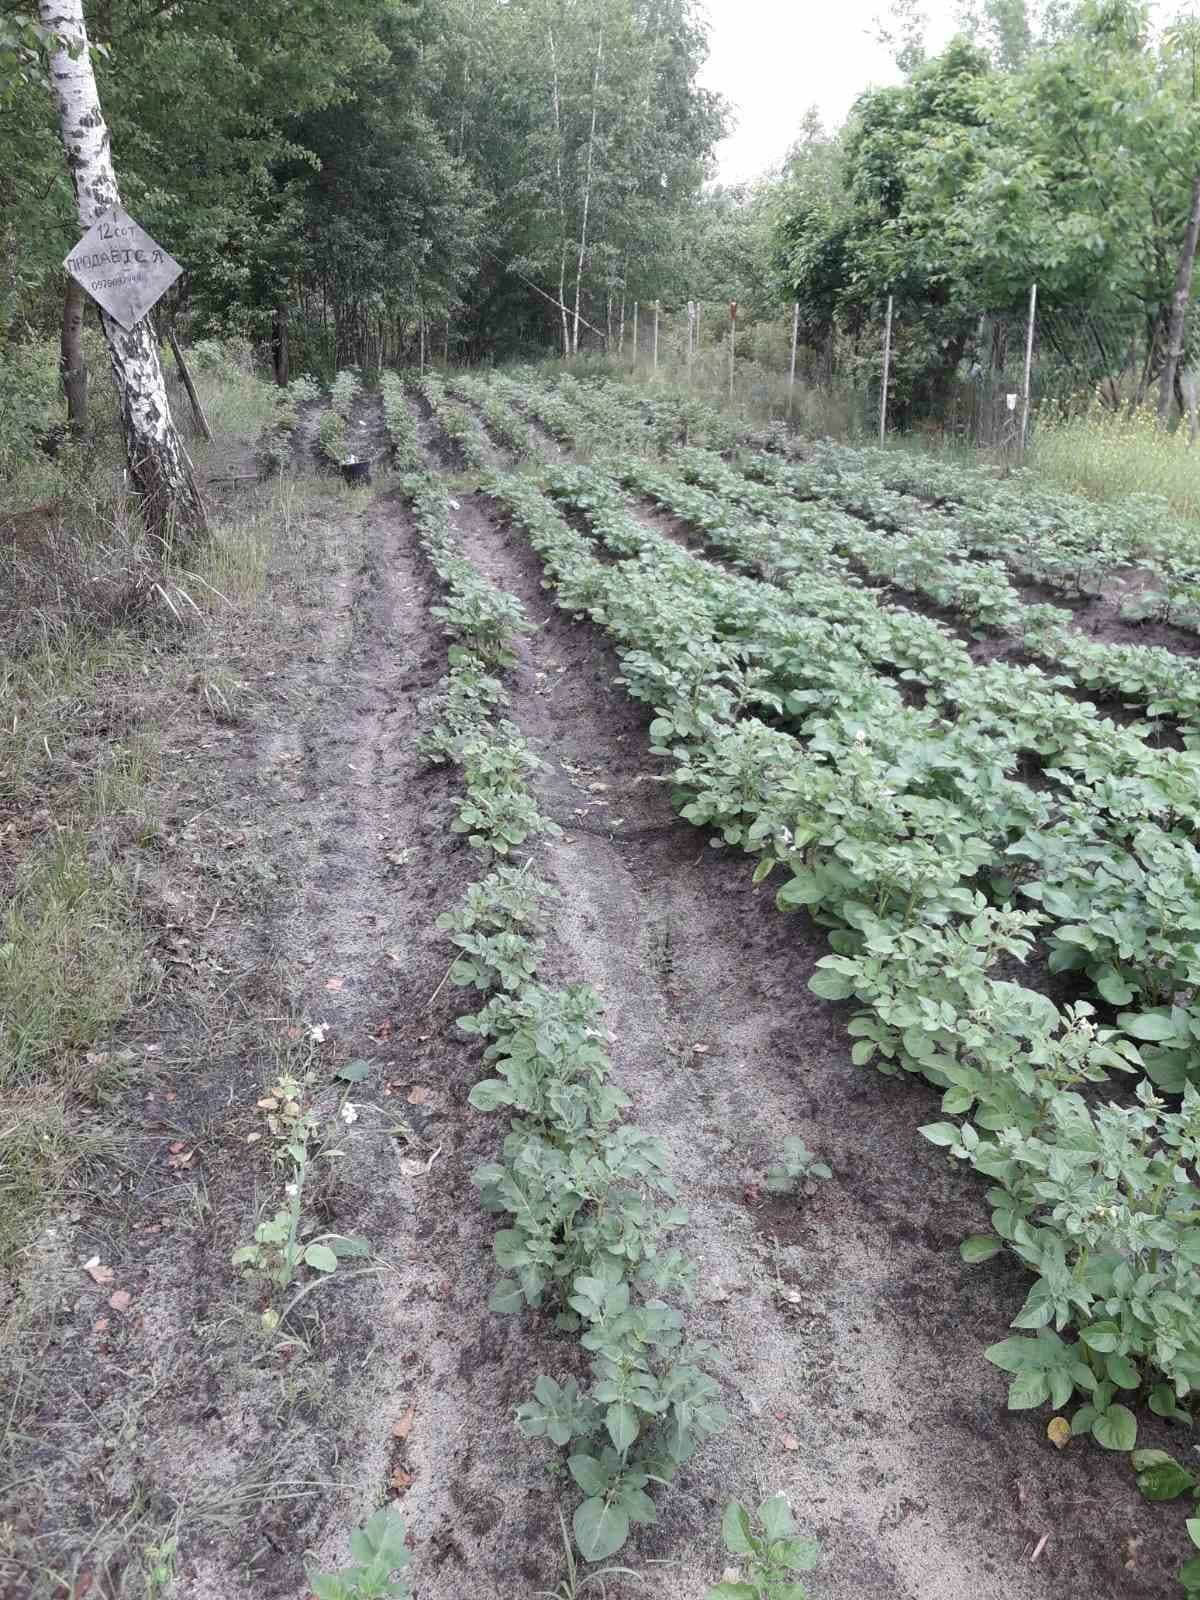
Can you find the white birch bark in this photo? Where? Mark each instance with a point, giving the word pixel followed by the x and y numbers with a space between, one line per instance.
pixel 158 464
pixel 587 191
pixel 562 205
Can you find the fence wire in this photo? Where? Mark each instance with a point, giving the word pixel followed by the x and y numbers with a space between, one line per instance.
pixel 960 379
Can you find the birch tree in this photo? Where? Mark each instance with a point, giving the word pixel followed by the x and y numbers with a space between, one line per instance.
pixel 159 468
pixel 587 192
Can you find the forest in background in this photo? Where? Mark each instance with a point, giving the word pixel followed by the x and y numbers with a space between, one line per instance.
pixel 356 169
pixel 461 180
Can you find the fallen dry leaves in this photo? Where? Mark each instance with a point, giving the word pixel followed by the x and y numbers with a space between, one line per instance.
pixel 96 1272
pixel 402 1429
pixel 401 1481
pixel 120 1300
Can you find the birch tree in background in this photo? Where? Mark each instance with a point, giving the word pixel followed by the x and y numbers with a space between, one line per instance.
pixel 158 464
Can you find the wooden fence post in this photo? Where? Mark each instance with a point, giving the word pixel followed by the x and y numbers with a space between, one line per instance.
pixel 197 408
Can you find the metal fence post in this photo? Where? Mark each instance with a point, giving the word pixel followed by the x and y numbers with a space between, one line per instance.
pixel 732 343
pixel 792 373
pixel 887 371
pixel 1028 367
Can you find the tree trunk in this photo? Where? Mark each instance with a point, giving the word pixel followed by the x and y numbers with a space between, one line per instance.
pixel 1179 306
pixel 279 347
pixel 562 204
pixel 158 464
pixel 71 363
pixel 587 192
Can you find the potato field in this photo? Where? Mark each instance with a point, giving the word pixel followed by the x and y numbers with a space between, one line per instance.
pixel 726 917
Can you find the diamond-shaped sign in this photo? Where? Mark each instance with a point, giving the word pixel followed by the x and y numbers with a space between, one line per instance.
pixel 120 265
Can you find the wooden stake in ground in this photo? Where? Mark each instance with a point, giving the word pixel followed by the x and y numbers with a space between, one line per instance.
pixel 792 373
pixel 1179 305
pixel 635 334
pixel 197 408
pixel 1028 365
pixel 887 372
pixel 159 468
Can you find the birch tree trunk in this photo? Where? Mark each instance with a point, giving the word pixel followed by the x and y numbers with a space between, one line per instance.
pixel 1179 306
pixel 587 191
pixel 562 204
pixel 158 464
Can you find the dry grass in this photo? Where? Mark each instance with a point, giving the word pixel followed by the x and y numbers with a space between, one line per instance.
pixel 1107 457
pixel 100 643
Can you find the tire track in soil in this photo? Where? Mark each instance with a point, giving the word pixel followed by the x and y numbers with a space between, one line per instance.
pixel 850 1334
pixel 377 863
pixel 362 822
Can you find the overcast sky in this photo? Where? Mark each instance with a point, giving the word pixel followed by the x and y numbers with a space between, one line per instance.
pixel 775 58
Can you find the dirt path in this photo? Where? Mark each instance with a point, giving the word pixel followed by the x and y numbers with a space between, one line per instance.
pixel 850 1334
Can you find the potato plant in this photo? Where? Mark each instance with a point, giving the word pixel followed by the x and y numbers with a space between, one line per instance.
pixel 1095 1199
pixel 587 1197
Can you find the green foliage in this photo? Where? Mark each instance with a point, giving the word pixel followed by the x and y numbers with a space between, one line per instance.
pixel 288 1241
pixel 377 1573
pixel 400 423
pixel 1068 164
pixel 910 856
pixel 769 1551
pixel 587 1196
pixel 30 402
pixel 331 431
pixel 798 1170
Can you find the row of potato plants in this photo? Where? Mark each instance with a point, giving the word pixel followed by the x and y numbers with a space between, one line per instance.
pixel 500 417
pixel 401 424
pixel 1097 1200
pixel 460 425
pixel 667 417
pixel 802 545
pixel 1053 536
pixel 600 415
pixel 563 421
pixel 603 413
pixel 933 561
pixel 587 1195
pixel 332 428
pixel 1117 885
pixel 1072 538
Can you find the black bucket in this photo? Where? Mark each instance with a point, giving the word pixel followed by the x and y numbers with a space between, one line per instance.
pixel 356 472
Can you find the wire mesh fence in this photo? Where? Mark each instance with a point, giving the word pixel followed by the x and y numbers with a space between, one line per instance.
pixel 985 380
